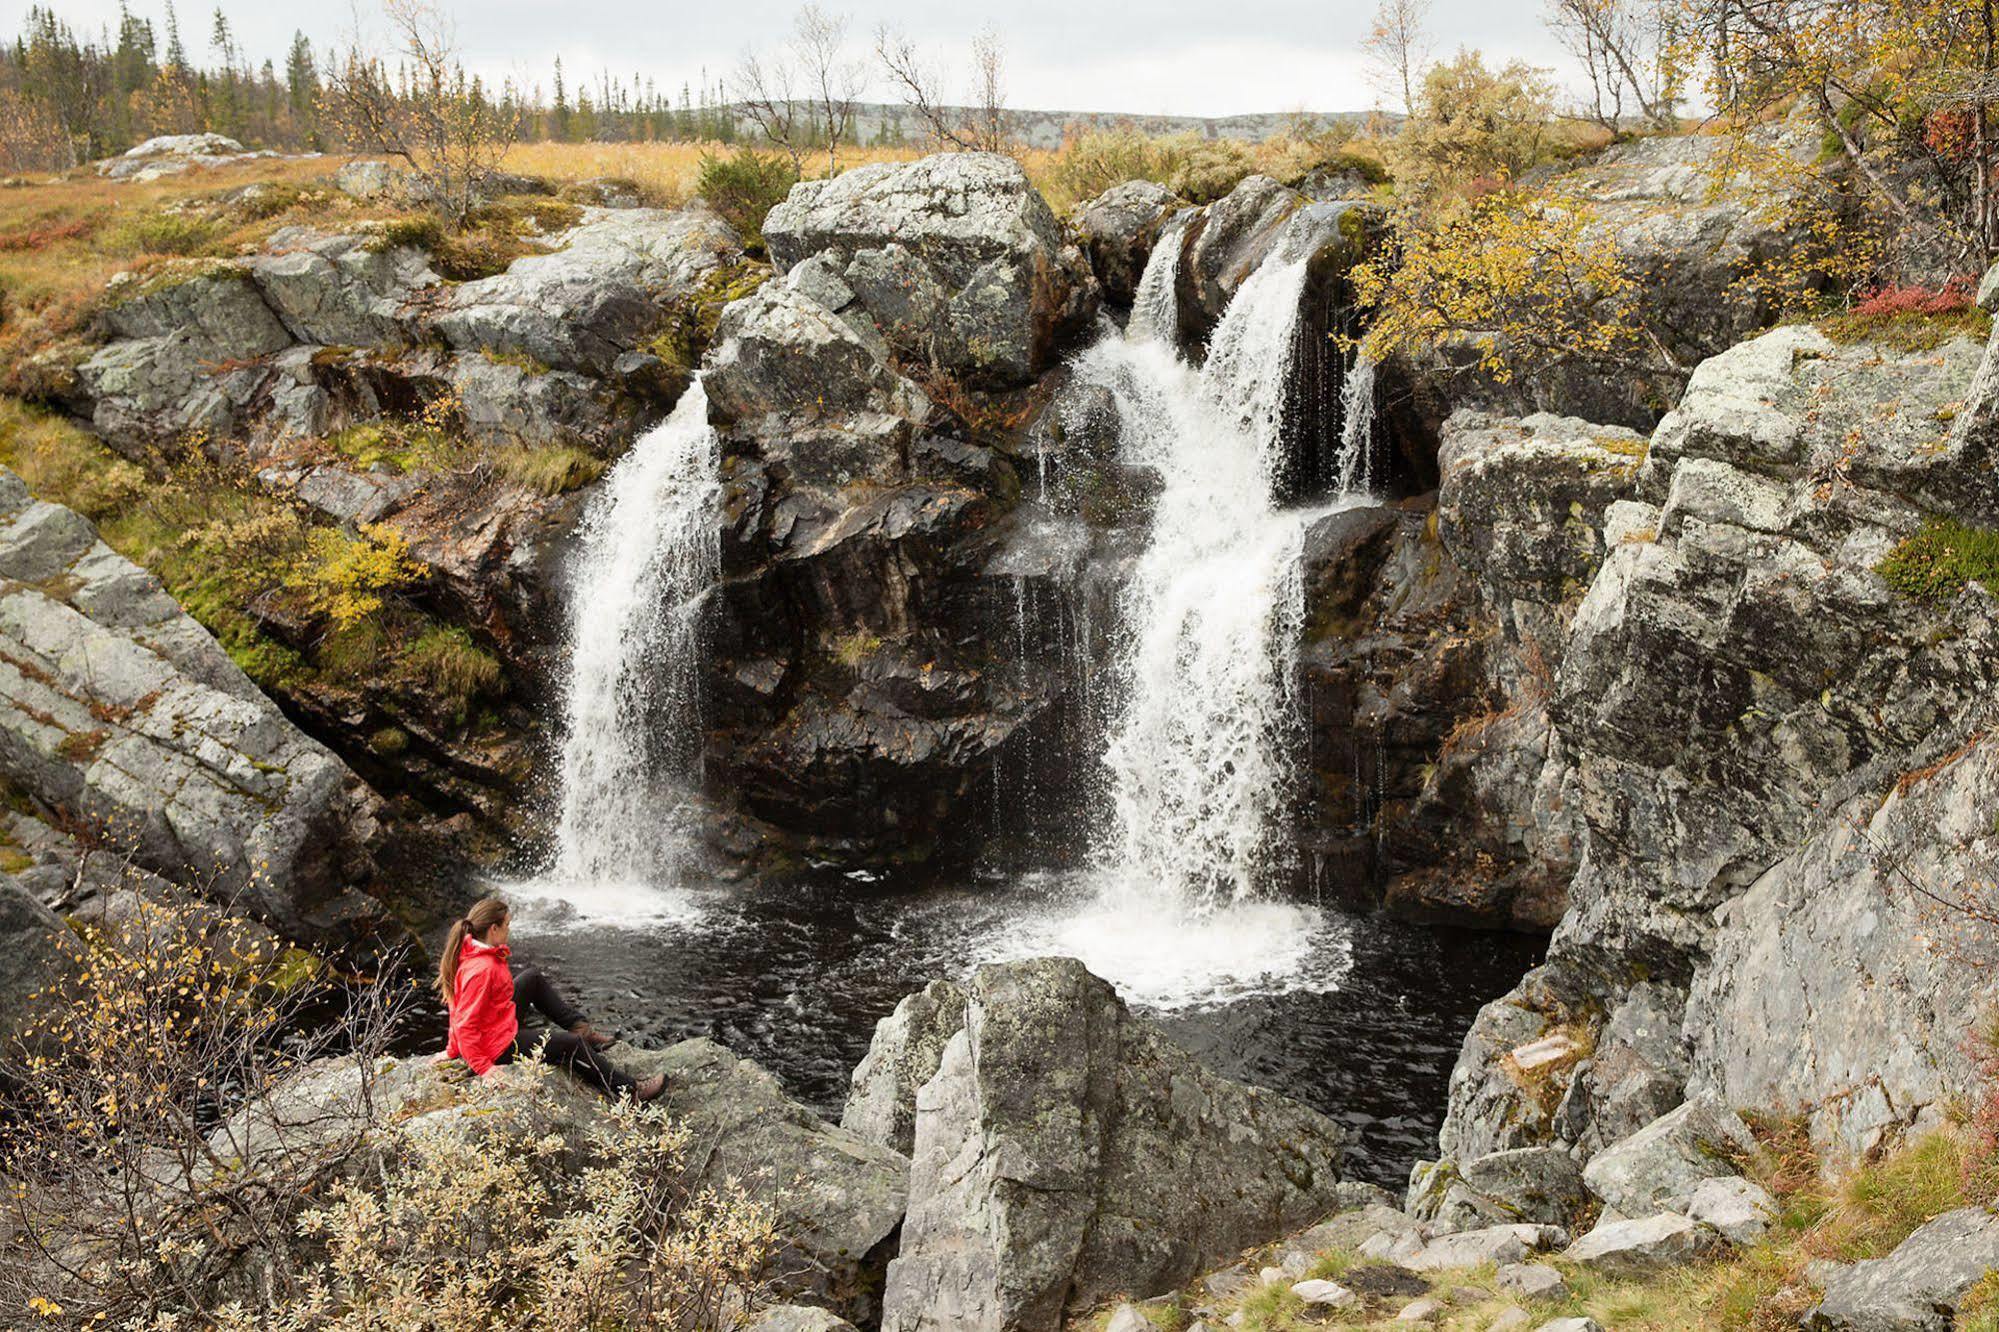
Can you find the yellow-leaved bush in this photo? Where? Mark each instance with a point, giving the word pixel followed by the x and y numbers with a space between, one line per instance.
pixel 1524 281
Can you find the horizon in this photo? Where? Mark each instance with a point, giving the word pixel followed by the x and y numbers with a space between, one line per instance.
pixel 1272 57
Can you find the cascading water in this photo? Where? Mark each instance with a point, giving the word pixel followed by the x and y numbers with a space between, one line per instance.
pixel 1212 618
pixel 650 552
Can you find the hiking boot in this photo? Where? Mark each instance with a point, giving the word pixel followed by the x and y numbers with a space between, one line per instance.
pixel 595 1039
pixel 651 1089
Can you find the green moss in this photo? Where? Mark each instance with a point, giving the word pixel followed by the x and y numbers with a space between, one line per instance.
pixel 1909 333
pixel 161 233
pixel 519 360
pixel 549 469
pixel 1934 565
pixel 690 323
pixel 454 666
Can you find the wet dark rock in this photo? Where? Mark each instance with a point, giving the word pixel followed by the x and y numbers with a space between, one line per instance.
pixel 1119 228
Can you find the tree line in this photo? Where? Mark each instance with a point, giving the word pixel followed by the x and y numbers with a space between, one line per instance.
pixel 68 96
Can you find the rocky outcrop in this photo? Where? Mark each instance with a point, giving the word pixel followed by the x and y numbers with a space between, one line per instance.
pixel 1429 667
pixel 871 418
pixel 1066 1151
pixel 1771 742
pixel 838 1199
pixel 173 155
pixel 126 716
pixel 956 259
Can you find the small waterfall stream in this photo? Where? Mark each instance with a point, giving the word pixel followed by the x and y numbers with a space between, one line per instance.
pixel 631 737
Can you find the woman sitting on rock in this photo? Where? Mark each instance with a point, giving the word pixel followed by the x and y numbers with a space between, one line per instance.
pixel 485 997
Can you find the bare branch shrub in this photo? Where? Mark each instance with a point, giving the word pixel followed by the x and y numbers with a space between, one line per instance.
pixel 432 114
pixel 125 1192
pixel 806 95
pixel 984 125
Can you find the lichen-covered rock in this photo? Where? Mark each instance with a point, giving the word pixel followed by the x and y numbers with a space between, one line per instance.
pixel 1523 500
pixel 124 714
pixel 1119 228
pixel 598 296
pixel 1664 1162
pixel 1741 1210
pixel 956 257
pixel 907 1049
pixel 786 360
pixel 173 154
pixel 798 1318
pixel 1919 1286
pixel 1067 1151
pixel 341 290
pixel 1649 1244
pixel 190 339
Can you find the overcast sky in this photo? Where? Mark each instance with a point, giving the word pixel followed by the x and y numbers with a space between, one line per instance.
pixel 1186 57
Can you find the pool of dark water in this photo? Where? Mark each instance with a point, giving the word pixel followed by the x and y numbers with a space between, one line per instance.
pixel 795 974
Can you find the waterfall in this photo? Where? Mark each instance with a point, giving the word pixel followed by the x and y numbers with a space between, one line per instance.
pixel 649 552
pixel 1213 612
pixel 1155 311
pixel 1357 428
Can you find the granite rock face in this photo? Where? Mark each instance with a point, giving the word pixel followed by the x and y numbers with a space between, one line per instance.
pixel 1066 1151
pixel 1769 743
pixel 37 957
pixel 127 716
pixel 956 258
pixel 1919 1286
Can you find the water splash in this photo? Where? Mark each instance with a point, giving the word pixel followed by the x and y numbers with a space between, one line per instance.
pixel 650 551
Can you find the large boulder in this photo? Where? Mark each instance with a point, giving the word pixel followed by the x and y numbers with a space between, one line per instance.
pixel 1119 228
pixel 1649 1244
pixel 597 297
pixel 956 258
pixel 1919 1286
pixel 1066 1151
pixel 126 715
pixel 906 1052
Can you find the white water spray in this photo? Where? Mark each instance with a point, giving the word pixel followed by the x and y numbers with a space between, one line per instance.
pixel 1357 429
pixel 650 552
pixel 1212 618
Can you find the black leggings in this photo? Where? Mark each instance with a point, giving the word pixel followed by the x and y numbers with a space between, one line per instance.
pixel 561 1047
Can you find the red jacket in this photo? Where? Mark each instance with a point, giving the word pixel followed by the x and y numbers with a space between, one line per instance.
pixel 483 1021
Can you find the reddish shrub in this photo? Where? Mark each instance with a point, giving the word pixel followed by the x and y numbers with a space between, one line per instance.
pixel 1954 297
